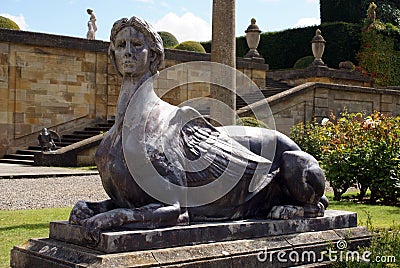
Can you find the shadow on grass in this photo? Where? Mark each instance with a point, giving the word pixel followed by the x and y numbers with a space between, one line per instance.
pixel 25 226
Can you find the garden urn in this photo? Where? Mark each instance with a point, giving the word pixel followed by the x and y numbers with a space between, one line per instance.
pixel 253 39
pixel 318 47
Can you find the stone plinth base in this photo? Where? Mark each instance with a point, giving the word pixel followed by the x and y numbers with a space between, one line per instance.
pixel 247 243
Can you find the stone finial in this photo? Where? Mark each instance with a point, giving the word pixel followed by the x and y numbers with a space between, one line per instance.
pixel 253 27
pixel 318 48
pixel 318 37
pixel 253 39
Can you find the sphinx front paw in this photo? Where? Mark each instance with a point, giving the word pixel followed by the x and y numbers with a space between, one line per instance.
pixel 80 212
pixel 92 229
pixel 313 211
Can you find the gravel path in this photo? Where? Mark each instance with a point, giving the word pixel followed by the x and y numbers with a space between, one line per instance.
pixel 52 192
pixel 49 192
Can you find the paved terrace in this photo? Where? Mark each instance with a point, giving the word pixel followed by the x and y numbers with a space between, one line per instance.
pixel 9 171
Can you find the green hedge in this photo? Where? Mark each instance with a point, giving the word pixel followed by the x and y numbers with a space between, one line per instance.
pixel 303 62
pixel 251 122
pixel 354 11
pixel 342 10
pixel 388 11
pixel 191 46
pixel 8 24
pixel 169 40
pixel 380 55
pixel 241 46
pixel 282 49
pixel 389 14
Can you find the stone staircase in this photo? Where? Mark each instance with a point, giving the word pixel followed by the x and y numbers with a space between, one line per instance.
pixel 272 87
pixel 26 156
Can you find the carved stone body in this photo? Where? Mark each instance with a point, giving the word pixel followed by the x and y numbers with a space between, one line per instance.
pixel 177 147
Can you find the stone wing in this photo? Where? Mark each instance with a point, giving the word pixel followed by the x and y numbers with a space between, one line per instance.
pixel 210 154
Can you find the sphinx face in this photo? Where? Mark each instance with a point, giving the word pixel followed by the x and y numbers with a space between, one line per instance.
pixel 132 52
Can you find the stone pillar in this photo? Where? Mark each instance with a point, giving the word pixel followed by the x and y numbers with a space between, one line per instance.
pixel 223 50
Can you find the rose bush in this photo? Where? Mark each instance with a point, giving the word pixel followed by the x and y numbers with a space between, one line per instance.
pixel 355 149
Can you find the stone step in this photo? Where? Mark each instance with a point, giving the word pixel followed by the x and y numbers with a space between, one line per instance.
pixel 76 136
pixel 273 88
pixel 97 129
pixel 35 148
pixel 27 151
pixel 109 125
pixel 269 93
pixel 72 140
pixel 63 144
pixel 17 161
pixel 19 156
pixel 66 139
pixel 88 132
pixel 276 84
pixel 252 98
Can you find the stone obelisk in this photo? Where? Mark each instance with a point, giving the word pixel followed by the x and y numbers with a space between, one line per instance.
pixel 223 50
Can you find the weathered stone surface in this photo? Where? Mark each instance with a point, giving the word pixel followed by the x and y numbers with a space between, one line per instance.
pixel 77 154
pixel 318 100
pixel 316 74
pixel 123 241
pixel 61 80
pixel 254 252
pixel 223 50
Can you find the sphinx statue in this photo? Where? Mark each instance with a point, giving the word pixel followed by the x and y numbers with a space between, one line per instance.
pixel 157 160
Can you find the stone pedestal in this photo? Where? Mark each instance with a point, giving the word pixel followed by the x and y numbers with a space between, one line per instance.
pixel 247 243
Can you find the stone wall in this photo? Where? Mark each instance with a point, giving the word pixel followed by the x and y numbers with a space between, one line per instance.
pixel 295 77
pixel 318 100
pixel 63 83
pixel 49 81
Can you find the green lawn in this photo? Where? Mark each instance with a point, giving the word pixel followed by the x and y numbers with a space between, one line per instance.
pixel 18 226
pixel 381 217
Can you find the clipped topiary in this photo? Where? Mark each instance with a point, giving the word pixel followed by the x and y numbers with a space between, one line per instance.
pixel 347 65
pixel 8 24
pixel 168 39
pixel 191 46
pixel 303 62
pixel 251 122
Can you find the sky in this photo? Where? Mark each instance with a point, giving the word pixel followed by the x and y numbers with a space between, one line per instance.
pixel 186 19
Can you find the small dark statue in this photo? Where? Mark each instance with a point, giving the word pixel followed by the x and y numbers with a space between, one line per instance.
pixel 46 139
pixel 157 161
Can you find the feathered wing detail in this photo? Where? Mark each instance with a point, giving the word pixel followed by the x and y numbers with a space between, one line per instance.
pixel 208 153
pixel 54 135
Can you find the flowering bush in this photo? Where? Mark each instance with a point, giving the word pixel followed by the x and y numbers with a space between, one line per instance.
pixel 354 149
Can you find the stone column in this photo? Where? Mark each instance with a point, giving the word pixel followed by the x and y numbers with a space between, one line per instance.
pixel 223 50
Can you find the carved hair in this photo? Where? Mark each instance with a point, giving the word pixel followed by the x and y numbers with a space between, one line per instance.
pixel 156 43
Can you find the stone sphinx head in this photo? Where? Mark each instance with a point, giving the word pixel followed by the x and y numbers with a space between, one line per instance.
pixel 143 38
